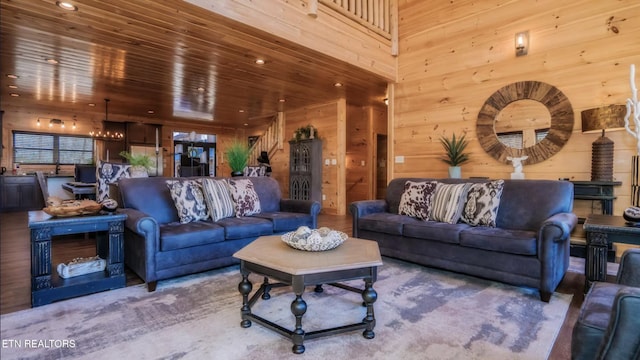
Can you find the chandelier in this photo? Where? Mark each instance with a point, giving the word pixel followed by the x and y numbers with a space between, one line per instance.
pixel 106 135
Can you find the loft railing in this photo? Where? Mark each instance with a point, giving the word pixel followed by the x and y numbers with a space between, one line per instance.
pixel 376 15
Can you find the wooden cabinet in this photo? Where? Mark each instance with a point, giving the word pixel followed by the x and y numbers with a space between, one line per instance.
pixel 305 170
pixel 20 193
pixel 142 134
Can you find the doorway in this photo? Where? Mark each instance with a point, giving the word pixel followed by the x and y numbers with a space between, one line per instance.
pixel 381 167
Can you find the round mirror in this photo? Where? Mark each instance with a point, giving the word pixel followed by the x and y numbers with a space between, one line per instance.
pixel 528 118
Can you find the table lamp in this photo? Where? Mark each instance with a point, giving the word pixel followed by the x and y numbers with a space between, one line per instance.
pixel 606 118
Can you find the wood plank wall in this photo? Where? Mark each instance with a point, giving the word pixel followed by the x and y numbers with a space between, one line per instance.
pixel 455 54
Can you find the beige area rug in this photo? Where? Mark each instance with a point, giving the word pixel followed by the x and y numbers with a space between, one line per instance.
pixel 421 313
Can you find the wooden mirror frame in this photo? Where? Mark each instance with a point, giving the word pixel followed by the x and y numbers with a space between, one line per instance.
pixel 561 121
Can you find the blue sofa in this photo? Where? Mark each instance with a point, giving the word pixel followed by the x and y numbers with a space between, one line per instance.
pixel 157 246
pixel 529 246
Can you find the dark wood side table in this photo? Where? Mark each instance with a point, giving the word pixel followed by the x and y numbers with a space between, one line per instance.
pixel 596 190
pixel 46 285
pixel 601 230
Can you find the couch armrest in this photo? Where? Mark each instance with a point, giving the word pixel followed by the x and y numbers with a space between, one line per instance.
pixel 629 271
pixel 311 207
pixel 558 227
pixel 622 339
pixel 140 223
pixel 361 208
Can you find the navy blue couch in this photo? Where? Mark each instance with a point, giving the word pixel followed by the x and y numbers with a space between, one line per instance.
pixel 157 246
pixel 528 247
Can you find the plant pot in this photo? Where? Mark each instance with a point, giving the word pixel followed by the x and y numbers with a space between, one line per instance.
pixel 455 172
pixel 237 173
pixel 138 171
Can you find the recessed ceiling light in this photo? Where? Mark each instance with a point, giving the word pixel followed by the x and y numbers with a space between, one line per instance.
pixel 11 76
pixel 14 94
pixel 52 61
pixel 282 100
pixel 245 124
pixel 150 112
pixel 92 104
pixel 66 6
pixel 338 84
pixel 260 61
pixel 13 86
pixel 200 89
pixel 240 110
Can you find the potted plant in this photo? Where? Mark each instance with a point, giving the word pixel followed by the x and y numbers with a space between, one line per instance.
pixel 455 155
pixel 305 132
pixel 140 163
pixel 238 156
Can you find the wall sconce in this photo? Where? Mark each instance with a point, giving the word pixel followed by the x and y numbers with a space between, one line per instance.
pixel 522 43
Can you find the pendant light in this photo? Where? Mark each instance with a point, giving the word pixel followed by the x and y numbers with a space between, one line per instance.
pixel 107 135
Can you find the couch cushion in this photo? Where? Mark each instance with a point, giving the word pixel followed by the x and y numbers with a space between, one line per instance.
pixel 244 196
pixel 188 199
pixel 286 221
pixel 519 242
pixel 448 202
pixel 416 200
pixel 385 223
pixel 434 230
pixel 245 227
pixel 218 199
pixel 482 202
pixel 178 236
pixel 109 173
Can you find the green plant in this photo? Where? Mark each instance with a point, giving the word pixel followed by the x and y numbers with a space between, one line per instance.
pixel 138 159
pixel 237 155
pixel 454 149
pixel 305 132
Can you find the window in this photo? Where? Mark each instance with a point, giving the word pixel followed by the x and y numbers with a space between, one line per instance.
pixel 41 148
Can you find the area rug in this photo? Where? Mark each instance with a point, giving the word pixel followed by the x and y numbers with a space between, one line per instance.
pixel 421 313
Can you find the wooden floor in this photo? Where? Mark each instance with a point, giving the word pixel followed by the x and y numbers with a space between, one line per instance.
pixel 15 293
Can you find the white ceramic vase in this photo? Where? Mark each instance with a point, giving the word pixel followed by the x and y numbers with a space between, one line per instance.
pixel 455 172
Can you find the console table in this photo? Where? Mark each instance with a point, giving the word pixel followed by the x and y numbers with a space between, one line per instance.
pixel 46 285
pixel 596 190
pixel 601 231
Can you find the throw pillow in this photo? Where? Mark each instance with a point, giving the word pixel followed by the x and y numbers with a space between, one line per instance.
pixel 244 196
pixel 482 203
pixel 448 202
pixel 218 198
pixel 109 173
pixel 188 199
pixel 416 200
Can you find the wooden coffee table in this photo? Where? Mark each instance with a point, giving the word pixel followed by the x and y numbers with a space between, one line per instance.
pixel 271 257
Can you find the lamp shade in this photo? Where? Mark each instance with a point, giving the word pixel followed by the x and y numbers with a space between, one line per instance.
pixel 603 118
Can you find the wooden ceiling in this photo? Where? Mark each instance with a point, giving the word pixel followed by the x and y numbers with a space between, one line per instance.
pixel 154 55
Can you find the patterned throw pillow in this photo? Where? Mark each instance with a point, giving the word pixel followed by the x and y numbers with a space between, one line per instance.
pixel 188 199
pixel 218 198
pixel 448 202
pixel 109 173
pixel 482 203
pixel 244 196
pixel 417 198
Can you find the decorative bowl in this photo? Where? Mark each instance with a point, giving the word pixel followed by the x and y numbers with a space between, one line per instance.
pixel 314 240
pixel 68 208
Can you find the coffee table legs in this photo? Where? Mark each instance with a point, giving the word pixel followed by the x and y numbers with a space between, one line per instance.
pixel 369 296
pixel 298 308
